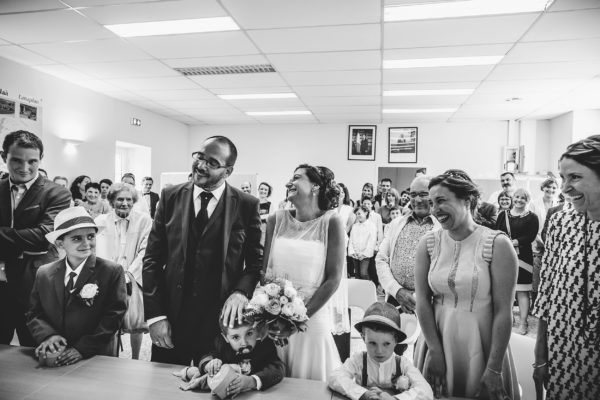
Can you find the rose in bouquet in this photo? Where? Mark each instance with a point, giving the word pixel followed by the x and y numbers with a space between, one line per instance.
pixel 278 302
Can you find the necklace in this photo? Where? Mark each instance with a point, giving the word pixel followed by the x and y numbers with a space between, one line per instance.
pixel 589 333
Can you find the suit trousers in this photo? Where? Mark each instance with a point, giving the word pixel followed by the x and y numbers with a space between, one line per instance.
pixel 12 317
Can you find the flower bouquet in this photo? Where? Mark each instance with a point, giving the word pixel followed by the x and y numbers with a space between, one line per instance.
pixel 278 300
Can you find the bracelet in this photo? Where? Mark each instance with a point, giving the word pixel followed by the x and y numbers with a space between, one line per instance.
pixel 494 371
pixel 536 366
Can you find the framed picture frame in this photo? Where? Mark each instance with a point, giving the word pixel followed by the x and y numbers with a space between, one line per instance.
pixel 403 145
pixel 361 142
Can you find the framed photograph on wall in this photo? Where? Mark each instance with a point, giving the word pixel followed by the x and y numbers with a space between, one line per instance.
pixel 403 145
pixel 361 142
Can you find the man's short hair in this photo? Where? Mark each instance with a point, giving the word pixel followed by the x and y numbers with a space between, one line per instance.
pixel 24 139
pixel 386 180
pixel 58 177
pixel 128 175
pixel 147 178
pixel 507 173
pixel 232 149
pixel 94 185
pixel 106 180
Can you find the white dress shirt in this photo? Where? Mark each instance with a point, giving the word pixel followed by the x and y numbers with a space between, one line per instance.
pixel 70 269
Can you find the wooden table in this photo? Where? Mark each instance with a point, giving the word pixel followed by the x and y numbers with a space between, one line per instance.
pixel 109 378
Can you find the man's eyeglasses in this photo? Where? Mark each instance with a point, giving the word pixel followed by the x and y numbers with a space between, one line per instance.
pixel 422 195
pixel 210 162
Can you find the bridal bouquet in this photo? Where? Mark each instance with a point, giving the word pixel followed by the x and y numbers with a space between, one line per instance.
pixel 278 300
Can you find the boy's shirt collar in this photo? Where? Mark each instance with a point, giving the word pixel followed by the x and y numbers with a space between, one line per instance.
pixel 70 269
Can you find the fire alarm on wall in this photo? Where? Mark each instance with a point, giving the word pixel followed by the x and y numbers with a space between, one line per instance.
pixel 136 122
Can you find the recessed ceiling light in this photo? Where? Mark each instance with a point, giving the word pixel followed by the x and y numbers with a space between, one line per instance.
pixel 257 96
pixel 174 27
pixel 264 113
pixel 427 92
pixel 417 110
pixel 453 9
pixel 441 62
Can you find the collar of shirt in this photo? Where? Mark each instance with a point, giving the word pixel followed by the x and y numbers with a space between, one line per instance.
pixel 69 269
pixel 413 218
pixel 27 184
pixel 217 193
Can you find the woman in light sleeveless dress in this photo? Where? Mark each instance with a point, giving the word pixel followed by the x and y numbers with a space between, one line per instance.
pixel 306 246
pixel 465 280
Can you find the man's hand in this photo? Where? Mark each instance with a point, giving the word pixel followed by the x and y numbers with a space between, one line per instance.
pixel 240 384
pixel 213 367
pixel 68 356
pixel 187 373
pixel 406 300
pixel 197 382
pixel 51 345
pixel 160 333
pixel 234 308
pixel 370 394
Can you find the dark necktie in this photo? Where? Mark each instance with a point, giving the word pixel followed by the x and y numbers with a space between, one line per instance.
pixel 70 284
pixel 203 214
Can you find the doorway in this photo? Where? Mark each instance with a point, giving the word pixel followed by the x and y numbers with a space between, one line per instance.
pixel 134 158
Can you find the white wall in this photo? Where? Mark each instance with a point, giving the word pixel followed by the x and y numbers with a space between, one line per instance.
pixel 74 112
pixel 561 135
pixel 585 123
pixel 274 151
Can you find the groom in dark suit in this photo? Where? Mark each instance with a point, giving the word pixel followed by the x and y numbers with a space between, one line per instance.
pixel 28 204
pixel 203 255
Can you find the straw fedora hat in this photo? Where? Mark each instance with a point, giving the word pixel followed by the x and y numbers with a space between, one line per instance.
pixel 68 220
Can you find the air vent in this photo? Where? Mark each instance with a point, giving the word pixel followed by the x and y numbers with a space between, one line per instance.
pixel 227 70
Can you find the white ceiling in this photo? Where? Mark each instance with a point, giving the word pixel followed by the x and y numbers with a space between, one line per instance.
pixel 328 52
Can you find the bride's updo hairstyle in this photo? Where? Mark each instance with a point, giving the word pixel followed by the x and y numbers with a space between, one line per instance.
pixel 585 152
pixel 325 179
pixel 460 183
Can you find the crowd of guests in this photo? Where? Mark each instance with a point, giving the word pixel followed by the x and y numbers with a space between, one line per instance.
pixel 79 265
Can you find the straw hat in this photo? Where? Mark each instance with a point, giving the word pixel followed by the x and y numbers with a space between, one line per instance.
pixel 383 314
pixel 68 220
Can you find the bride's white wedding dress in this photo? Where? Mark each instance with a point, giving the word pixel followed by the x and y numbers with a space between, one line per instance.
pixel 298 253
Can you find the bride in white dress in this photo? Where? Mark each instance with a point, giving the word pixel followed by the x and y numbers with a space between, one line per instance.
pixel 306 246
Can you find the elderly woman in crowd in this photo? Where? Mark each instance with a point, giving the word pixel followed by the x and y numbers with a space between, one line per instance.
pixel 124 241
pixel 522 227
pixel 465 279
pixel 567 351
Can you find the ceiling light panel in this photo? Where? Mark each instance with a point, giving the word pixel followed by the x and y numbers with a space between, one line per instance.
pixel 257 96
pixel 49 26
pixel 456 32
pixel 326 38
pixel 175 27
pixel 454 9
pixel 196 45
pixel 156 11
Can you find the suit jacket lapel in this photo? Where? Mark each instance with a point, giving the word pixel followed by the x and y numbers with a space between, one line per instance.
pixel 216 215
pixel 5 203
pixel 30 195
pixel 58 278
pixel 187 201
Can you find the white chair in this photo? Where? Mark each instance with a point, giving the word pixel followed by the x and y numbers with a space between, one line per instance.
pixel 522 352
pixel 411 327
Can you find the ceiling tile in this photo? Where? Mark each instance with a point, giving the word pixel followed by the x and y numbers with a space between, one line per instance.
pixel 23 56
pixel 447 51
pixel 89 51
pixel 12 6
pixel 436 74
pixel 288 119
pixel 90 3
pixel 98 85
pixel 424 101
pixel 520 87
pixel 252 90
pixel 215 61
pixel 183 94
pixel 332 77
pixel 140 84
pixel 329 61
pixel 239 80
pixel 157 11
pixel 293 13
pixel 196 45
pixel 207 103
pixel 338 90
pixel 128 69
pixel 563 5
pixel 565 25
pixel 349 119
pixel 326 38
pixel 265 104
pixel 558 50
pixel 320 110
pixel 342 101
pixel 431 86
pixel 64 72
pixel 578 69
pixel 50 26
pixel 456 31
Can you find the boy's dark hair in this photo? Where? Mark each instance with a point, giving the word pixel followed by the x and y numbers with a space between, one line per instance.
pixel 245 322
pixel 94 185
pixel 394 208
pixel 365 209
pixel 374 326
pixel 106 180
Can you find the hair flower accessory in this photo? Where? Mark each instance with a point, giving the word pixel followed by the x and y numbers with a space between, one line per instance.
pixel 88 293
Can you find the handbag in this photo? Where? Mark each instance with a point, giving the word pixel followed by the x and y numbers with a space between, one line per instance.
pixel 134 321
pixel 508 229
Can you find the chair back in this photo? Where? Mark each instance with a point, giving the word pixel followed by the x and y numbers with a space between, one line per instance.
pixel 411 327
pixel 361 293
pixel 522 350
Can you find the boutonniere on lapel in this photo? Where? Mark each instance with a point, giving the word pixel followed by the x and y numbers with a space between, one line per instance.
pixel 401 383
pixel 88 293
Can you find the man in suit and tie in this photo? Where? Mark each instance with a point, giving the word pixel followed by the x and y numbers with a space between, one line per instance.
pixel 150 197
pixel 203 254
pixel 78 302
pixel 28 204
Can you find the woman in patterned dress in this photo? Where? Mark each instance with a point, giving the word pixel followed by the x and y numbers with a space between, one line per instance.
pixel 465 280
pixel 567 350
